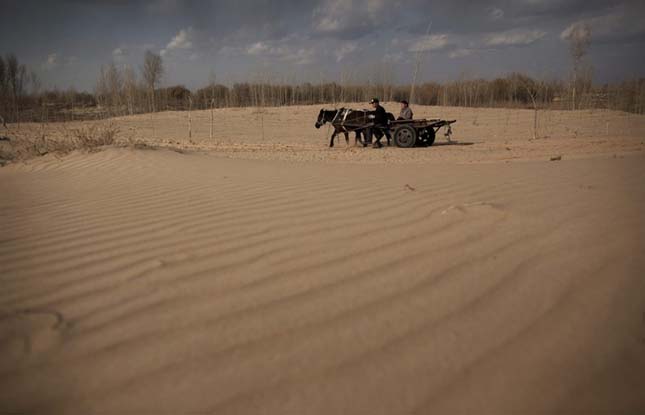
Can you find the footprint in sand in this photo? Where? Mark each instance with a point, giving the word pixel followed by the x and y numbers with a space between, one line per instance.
pixel 30 331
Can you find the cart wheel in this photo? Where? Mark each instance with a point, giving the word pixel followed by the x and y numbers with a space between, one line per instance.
pixel 405 136
pixel 429 136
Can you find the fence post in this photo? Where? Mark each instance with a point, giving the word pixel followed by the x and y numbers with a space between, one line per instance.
pixel 190 121
pixel 212 116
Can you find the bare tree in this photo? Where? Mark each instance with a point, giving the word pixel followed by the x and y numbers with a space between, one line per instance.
pixel 101 89
pixel 16 75
pixel 130 88
pixel 36 85
pixel 12 74
pixel 3 75
pixel 152 73
pixel 190 119
pixel 114 85
pixel 3 87
pixel 579 37
pixel 531 90
pixel 417 66
pixel 211 80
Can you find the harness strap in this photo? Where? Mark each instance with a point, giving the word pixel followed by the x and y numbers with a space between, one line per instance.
pixel 346 114
pixel 335 116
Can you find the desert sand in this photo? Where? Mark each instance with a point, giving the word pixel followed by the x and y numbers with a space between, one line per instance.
pixel 262 272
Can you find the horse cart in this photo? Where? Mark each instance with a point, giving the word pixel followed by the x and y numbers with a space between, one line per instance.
pixel 408 133
pixel 405 133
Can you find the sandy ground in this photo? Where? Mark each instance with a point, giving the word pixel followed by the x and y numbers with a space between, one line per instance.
pixel 273 275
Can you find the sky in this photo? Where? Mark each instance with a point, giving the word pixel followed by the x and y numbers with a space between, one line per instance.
pixel 353 41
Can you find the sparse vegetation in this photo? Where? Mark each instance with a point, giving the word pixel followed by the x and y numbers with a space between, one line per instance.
pixel 87 138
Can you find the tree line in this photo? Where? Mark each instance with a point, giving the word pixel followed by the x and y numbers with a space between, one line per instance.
pixel 122 90
pixel 13 79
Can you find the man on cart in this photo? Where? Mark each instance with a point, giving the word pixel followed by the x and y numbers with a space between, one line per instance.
pixel 378 116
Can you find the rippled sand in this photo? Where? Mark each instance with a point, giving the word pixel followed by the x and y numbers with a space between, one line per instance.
pixel 151 281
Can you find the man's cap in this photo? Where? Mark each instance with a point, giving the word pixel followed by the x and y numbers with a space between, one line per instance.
pixel 404 102
pixel 374 101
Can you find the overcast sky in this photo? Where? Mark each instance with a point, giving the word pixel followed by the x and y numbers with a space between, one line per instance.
pixel 66 42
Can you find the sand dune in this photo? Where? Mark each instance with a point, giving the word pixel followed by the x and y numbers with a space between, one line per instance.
pixel 154 281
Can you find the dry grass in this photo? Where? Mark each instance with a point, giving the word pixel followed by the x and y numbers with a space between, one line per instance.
pixel 83 138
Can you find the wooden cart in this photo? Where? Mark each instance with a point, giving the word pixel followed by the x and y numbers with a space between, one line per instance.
pixel 408 133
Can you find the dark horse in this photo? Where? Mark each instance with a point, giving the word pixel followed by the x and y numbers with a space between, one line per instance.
pixel 346 120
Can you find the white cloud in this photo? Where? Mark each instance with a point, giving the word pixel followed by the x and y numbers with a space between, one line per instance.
pixel 346 49
pixel 578 30
pixel 231 51
pixel 302 56
pixel 282 51
pixel 460 53
pixel 333 16
pixel 328 24
pixel 184 39
pixel 496 13
pixel 338 16
pixel 120 54
pixel 432 42
pixel 53 60
pixel 376 8
pixel 257 48
pixel 266 49
pixel 619 24
pixel 515 38
pixel 394 58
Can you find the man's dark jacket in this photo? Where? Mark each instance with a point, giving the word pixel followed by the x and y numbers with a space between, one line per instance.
pixel 380 116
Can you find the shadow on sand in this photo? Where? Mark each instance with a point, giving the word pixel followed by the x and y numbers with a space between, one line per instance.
pixel 452 143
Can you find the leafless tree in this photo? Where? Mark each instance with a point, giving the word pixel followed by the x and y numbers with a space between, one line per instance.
pixel 3 75
pixel 531 90
pixel 114 86
pixel 36 85
pixel 579 37
pixel 130 88
pixel 152 73
pixel 417 66
pixel 190 119
pixel 211 81
pixel 101 90
pixel 16 75
pixel 3 88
